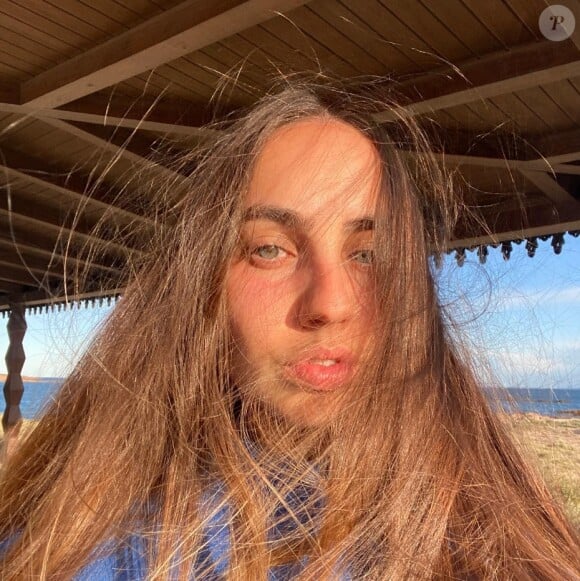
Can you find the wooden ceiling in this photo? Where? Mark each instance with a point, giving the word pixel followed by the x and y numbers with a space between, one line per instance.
pixel 89 88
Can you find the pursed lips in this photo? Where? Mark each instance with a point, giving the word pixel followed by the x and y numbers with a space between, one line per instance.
pixel 322 368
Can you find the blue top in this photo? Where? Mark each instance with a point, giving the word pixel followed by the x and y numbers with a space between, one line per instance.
pixel 128 562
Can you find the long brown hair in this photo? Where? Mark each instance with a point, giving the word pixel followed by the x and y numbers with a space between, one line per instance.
pixel 416 479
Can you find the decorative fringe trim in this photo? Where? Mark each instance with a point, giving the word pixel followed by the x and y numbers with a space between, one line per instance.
pixel 507 247
pixel 58 306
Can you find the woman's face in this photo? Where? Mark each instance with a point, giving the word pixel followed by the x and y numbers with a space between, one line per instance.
pixel 300 288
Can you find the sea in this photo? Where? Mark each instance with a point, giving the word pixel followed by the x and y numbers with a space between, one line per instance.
pixel 547 402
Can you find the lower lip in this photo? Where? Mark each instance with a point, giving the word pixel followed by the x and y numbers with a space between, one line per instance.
pixel 322 378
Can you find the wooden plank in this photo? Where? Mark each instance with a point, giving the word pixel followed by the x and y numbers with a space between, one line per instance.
pixel 249 51
pixel 525 120
pixel 278 52
pixel 9 93
pixel 37 36
pixel 500 21
pixel 162 115
pixel 58 296
pixel 467 118
pixel 30 252
pixel 464 25
pixel 36 266
pixel 224 64
pixel 493 75
pixel 22 276
pixel 515 225
pixel 30 45
pixel 62 15
pixel 335 41
pixel 40 26
pixel 560 148
pixel 440 39
pixel 67 218
pixel 31 62
pixel 44 220
pixel 189 71
pixel 350 25
pixel 389 29
pixel 9 288
pixel 551 188
pixel 528 12
pixel 188 27
pixel 566 96
pixel 547 107
pixel 74 188
pixel 286 31
pixel 145 166
pixel 109 17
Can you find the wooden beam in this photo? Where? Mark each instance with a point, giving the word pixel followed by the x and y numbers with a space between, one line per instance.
pixel 75 232
pixel 36 264
pixel 17 165
pixel 518 225
pixel 21 275
pixel 18 235
pixel 559 148
pixel 9 95
pixel 550 187
pixel 9 288
pixel 175 117
pixel 28 252
pixel 39 272
pixel 451 160
pixel 495 74
pixel 181 30
pixel 40 298
pixel 178 182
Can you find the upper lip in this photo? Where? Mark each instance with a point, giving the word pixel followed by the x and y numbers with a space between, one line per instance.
pixel 339 354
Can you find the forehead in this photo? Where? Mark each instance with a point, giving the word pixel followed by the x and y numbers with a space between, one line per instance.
pixel 316 166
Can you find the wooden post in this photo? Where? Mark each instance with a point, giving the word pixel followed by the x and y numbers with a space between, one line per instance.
pixel 14 388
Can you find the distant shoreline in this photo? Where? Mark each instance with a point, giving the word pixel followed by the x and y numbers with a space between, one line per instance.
pixel 29 379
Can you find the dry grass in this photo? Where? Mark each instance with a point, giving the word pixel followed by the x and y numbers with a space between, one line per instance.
pixel 553 444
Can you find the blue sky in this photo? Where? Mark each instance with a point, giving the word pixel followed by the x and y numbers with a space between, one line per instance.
pixel 522 316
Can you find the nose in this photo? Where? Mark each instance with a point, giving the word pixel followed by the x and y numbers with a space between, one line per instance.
pixel 329 296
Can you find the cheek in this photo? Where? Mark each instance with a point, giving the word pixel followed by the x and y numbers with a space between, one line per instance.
pixel 258 306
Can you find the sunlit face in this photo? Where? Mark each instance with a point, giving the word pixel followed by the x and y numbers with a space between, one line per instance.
pixel 302 279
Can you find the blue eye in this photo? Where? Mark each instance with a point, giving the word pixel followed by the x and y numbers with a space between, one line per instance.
pixel 368 256
pixel 267 251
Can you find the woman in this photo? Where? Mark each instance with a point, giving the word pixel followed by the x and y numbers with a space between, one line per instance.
pixel 277 395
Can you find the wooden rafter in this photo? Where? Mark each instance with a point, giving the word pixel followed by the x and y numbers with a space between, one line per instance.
pixel 492 75
pixel 21 236
pixel 560 148
pixel 28 252
pixel 559 195
pixel 9 288
pixel 35 297
pixel 46 219
pixel 142 164
pixel 176 32
pixel 21 275
pixel 14 164
pixel 518 225
pixel 143 114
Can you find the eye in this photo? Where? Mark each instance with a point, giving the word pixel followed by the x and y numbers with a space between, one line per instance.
pixel 268 252
pixel 365 256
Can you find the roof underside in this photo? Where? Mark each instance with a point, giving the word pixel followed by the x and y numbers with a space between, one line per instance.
pixel 88 90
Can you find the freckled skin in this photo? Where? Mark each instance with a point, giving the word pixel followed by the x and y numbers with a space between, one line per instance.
pixel 290 289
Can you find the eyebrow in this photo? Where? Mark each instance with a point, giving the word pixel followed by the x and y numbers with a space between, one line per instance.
pixel 294 221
